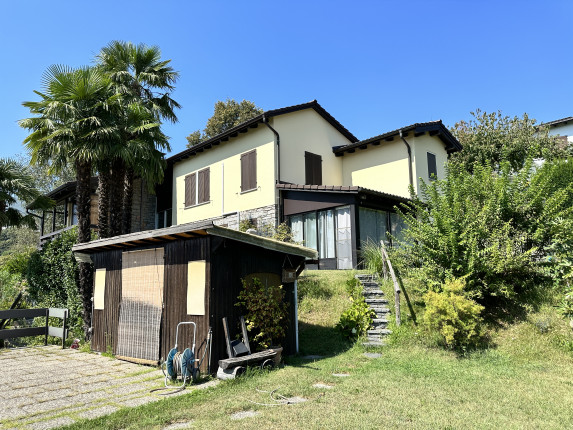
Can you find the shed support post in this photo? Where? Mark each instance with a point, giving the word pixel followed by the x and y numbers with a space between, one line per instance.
pixel 296 316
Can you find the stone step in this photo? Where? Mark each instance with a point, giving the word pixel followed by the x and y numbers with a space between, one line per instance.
pixel 377 301
pixel 380 309
pixel 380 321
pixel 371 291
pixel 379 331
pixel 370 284
pixel 373 343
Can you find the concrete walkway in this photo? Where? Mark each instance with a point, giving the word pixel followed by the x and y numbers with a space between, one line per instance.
pixel 46 387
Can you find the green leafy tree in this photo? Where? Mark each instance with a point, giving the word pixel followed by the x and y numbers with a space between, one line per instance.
pixel 494 138
pixel 227 114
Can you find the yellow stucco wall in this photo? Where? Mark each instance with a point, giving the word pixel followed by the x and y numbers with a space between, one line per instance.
pixel 382 168
pixel 385 167
pixel 224 162
pixel 420 147
pixel 304 131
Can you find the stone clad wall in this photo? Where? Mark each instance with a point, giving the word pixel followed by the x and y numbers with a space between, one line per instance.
pixel 263 216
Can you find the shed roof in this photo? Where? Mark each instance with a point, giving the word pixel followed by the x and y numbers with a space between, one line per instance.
pixel 185 231
pixel 254 122
pixel 434 128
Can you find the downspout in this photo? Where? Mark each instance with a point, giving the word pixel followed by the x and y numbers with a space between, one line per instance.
pixel 278 179
pixel 409 159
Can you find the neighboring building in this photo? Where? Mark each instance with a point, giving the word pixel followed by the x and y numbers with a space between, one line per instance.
pixel 64 214
pixel 300 165
pixel 562 127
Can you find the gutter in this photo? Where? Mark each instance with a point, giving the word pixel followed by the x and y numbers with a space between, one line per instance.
pixel 278 180
pixel 409 158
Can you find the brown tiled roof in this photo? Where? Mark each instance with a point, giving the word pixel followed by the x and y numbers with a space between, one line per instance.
pixel 435 128
pixel 254 122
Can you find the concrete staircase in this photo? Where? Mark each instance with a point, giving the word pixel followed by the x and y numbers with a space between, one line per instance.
pixel 375 298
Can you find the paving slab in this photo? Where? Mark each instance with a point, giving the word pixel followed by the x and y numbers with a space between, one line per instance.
pixel 47 387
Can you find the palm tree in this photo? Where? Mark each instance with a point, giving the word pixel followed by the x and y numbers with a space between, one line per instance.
pixel 72 125
pixel 16 184
pixel 145 82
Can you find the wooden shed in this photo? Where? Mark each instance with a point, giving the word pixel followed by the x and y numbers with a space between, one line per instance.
pixel 146 283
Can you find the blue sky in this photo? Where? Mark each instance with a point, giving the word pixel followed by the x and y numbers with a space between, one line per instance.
pixel 375 66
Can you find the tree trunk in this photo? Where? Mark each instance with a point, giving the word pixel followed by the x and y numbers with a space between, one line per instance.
pixel 127 200
pixel 116 197
pixel 103 202
pixel 83 195
pixel 2 210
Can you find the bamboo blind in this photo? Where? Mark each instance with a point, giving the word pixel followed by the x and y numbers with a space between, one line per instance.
pixel 141 304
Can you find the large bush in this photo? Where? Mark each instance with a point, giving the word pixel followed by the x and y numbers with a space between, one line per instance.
pixel 491 227
pixel 52 278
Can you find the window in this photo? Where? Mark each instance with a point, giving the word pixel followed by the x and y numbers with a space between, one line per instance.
pixel 249 171
pixel 163 219
pixel 312 168
pixel 197 187
pixel 432 169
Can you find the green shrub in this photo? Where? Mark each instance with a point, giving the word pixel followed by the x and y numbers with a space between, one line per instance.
pixel 490 227
pixel 455 317
pixel 566 306
pixel 372 257
pixel 52 279
pixel 246 224
pixel 266 312
pixel 357 319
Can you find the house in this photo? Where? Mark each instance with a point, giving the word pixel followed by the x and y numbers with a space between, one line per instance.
pixel 297 165
pixel 64 214
pixel 562 127
pixel 301 166
pixel 147 282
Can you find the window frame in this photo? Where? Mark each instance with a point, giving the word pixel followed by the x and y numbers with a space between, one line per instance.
pixel 200 192
pixel 249 171
pixel 312 168
pixel 430 156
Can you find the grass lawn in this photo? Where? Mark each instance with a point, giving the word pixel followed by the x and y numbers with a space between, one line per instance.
pixel 524 381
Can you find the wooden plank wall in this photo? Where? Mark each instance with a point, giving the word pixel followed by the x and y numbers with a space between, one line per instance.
pixel 232 261
pixel 105 320
pixel 177 256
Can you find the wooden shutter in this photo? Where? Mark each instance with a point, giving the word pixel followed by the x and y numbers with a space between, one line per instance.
pixel 249 171
pixel 312 168
pixel 432 168
pixel 190 190
pixel 204 185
